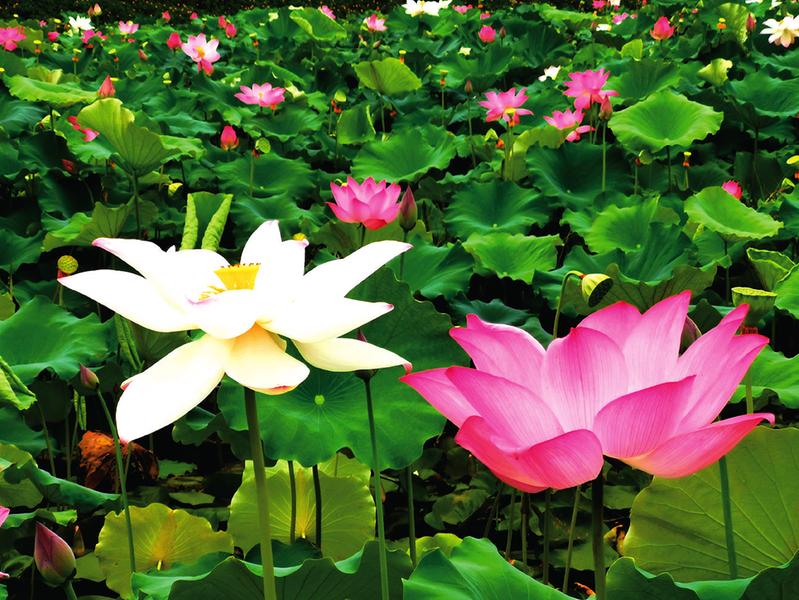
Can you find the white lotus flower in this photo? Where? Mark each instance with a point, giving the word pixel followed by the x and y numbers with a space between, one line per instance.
pixel 424 7
pixel 550 72
pixel 782 32
pixel 80 24
pixel 245 310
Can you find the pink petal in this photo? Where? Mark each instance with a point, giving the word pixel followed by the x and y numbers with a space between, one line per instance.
pixel 615 321
pixel 638 422
pixel 688 453
pixel 500 349
pixel 513 409
pixel 438 390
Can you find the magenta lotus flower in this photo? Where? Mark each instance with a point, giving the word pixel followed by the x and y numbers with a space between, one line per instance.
pixel 262 95
pixel 128 27
pixel 202 51
pixel 619 18
pixel 230 30
pixel 586 88
pixel 505 106
pixel 52 35
pixel 733 188
pixel 568 119
pixel 487 34
pixel 166 16
pixel 615 385
pixel 373 204
pixel 462 8
pixel 228 140
pixel 91 33
pixel 662 29
pixel 9 36
pixel 375 23
pixel 325 10
pixel 174 42
pixel 88 134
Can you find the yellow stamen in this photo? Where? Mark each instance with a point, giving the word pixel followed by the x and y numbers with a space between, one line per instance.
pixel 238 277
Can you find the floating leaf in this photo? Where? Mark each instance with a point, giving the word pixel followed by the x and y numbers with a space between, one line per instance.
pixel 515 256
pixel 354 125
pixel 388 76
pixel 721 212
pixel 773 372
pixel 57 94
pixel 405 156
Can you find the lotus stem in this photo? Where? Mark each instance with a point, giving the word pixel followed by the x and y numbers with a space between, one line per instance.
pixel 668 160
pixel 293 486
pixel 122 477
pixel 559 307
pixel 46 433
pixel 547 535
pixel 570 547
pixel 317 493
pixel 136 204
pixel 69 591
pixel 525 503
pixel 598 538
pixel 257 451
pixel 750 403
pixel 411 515
pixel 604 155
pixel 729 535
pixel 381 526
pixel 509 539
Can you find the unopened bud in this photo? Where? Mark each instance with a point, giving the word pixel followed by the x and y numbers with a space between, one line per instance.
pixel 690 333
pixel 107 89
pixel 408 211
pixel 54 558
pixel 89 378
pixel 467 87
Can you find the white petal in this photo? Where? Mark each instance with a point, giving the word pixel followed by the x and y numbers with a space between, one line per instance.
pixel 132 297
pixel 226 315
pixel 279 275
pixel 171 387
pixel 314 321
pixel 189 273
pixel 258 362
pixel 146 257
pixel 344 354
pixel 338 277
pixel 261 244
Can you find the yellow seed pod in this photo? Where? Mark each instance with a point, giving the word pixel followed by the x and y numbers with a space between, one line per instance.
pixel 298 236
pixel 67 264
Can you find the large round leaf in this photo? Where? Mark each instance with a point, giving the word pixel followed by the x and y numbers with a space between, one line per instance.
pixel 162 537
pixel 640 78
pixel 56 94
pixel 677 525
pixel 665 119
pixel 731 219
pixel 770 96
pixel 388 76
pixel 405 156
pixel 435 270
pixel 348 509
pixel 41 335
pixel 495 206
pixel 773 372
pixel 515 256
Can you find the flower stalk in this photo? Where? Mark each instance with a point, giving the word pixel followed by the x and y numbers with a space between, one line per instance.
pixel 598 536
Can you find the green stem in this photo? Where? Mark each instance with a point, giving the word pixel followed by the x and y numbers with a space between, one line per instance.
pixel 257 451
pixel 547 535
pixel 317 494
pixel 381 526
pixel 727 272
pixel 383 114
pixel 570 547
pixel 729 535
pixel 604 155
pixel 525 503
pixel 411 515
pixel 122 479
pixel 46 433
pixel 52 122
pixel 598 537
pixel 668 159
pixel 67 443
pixel 402 256
pixel 69 591
pixel 136 204
pixel 471 141
pixel 252 172
pixel 492 514
pixel 363 236
pixel 293 486
pixel 750 404
pixel 559 307
pixel 509 539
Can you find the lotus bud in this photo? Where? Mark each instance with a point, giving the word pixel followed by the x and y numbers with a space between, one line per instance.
pixel 760 303
pixel 594 287
pixel 228 140
pixel 503 32
pixel 467 87
pixel 67 265
pixel 751 23
pixel 402 56
pixel 107 89
pixel 166 16
pixel 690 333
pixel 89 378
pixel 408 211
pixel 95 11
pixel 173 41
pixel 54 558
pixel 605 109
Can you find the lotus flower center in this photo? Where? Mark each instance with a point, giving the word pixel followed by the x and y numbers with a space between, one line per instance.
pixel 200 51
pixel 238 277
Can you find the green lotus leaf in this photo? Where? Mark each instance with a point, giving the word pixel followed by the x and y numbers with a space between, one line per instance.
pixel 773 372
pixel 354 125
pixel 405 156
pixel 24 492
pixel 286 123
pixel 81 229
pixel 788 292
pixel 715 73
pixel 516 256
pixel 640 78
pixel 496 206
pixel 623 228
pixel 473 571
pixel 771 266
pixel 16 250
pixel 348 509
pixel 721 212
pixel 273 175
pixel 55 94
pixel 482 69
pixel 12 390
pixel 769 95
pixel 17 116
pixel 41 335
pixel 664 119
pixel 436 270
pixel 317 25
pixel 139 149
pixel 389 76
pixel 677 526
pixel 162 537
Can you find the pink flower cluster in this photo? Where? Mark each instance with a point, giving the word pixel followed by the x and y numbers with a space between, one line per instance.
pixel 9 36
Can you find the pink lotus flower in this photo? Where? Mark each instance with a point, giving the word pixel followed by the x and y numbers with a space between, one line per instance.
pixel 485 15
pixel 202 51
pixel 88 134
pixel 615 385
pixel 375 23
pixel 230 30
pixel 262 95
pixel 662 29
pixel 173 41
pixel 90 33
pixel 598 4
pixel 487 34
pixel 9 36
pixel 462 8
pixel 222 21
pixel 619 18
pixel 586 88
pixel 325 10
pixel 166 16
pixel 4 512
pixel 228 140
pixel 107 89
pixel 568 119
pixel 370 203
pixel 505 106
pixel 733 188
pixel 194 16
pixel 52 35
pixel 128 28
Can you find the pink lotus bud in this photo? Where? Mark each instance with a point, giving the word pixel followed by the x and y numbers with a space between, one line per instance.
pixel 662 29
pixel 53 557
pixel 503 32
pixel 52 35
pixel 228 140
pixel 733 188
pixel 222 21
pixel 690 333
pixel 89 378
pixel 751 23
pixel 230 30
pixel 194 16
pixel 605 109
pixel 95 11
pixel 142 56
pixel 467 87
pixel 487 34
pixel 107 89
pixel 166 16
pixel 173 41
pixel 408 212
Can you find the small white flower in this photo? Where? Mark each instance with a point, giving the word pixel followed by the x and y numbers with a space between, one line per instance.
pixel 465 51
pixel 424 7
pixel 782 33
pixel 550 72
pixel 603 27
pixel 80 24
